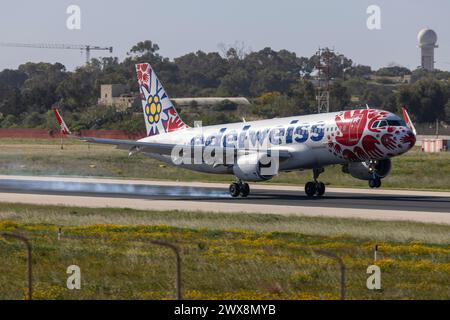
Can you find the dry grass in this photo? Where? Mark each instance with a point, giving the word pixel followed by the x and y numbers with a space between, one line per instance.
pixel 232 264
pixel 398 231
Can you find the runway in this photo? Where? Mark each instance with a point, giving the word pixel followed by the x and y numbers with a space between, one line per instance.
pixel 213 197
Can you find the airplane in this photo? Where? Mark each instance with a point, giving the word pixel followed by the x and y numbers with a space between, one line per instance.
pixel 363 141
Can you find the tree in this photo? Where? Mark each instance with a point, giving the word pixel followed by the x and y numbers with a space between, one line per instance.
pixel 10 97
pixel 38 92
pixel 13 78
pixel 236 83
pixel 393 71
pixel 426 99
pixel 10 101
pixel 274 104
pixel 33 120
pixel 271 70
pixel 356 86
pixel 81 88
pixel 279 78
pixel 447 111
pixel 338 63
pixel 372 98
pixel 303 94
pixel 145 47
pixel 339 97
pixel 200 70
pixel 358 71
pixel 9 121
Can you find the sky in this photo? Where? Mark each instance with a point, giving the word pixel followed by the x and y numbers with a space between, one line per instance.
pixel 183 26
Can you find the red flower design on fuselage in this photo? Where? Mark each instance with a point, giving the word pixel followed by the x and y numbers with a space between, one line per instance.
pixel 370 145
pixel 351 125
pixel 359 152
pixel 349 155
pixel 388 141
pixel 409 138
pixel 375 115
pixel 360 137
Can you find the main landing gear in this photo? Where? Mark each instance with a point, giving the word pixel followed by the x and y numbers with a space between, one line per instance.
pixel 239 189
pixel 375 183
pixel 315 188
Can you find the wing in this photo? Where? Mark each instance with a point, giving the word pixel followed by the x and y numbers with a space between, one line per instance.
pixel 131 145
pixel 166 148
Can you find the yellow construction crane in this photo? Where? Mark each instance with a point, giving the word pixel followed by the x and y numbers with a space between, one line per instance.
pixel 86 48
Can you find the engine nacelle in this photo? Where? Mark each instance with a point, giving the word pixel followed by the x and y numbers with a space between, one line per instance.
pixel 365 170
pixel 255 167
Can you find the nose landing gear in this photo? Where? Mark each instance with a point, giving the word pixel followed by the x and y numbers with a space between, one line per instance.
pixel 375 183
pixel 315 187
pixel 239 189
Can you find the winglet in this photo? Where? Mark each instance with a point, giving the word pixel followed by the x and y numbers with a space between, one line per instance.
pixel 64 128
pixel 408 120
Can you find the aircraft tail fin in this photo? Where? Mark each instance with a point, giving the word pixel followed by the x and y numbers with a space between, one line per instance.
pixel 408 120
pixel 159 112
pixel 64 128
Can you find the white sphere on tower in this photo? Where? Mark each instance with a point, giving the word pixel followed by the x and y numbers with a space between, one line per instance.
pixel 427 39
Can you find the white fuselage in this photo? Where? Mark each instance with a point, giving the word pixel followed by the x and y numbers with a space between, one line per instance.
pixel 313 141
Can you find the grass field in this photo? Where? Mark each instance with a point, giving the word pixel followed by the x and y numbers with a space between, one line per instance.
pixel 230 256
pixel 224 256
pixel 415 170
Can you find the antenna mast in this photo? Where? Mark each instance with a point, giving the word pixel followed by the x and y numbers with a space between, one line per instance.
pixel 323 79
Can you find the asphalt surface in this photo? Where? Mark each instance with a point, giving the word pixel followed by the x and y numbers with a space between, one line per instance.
pixel 333 199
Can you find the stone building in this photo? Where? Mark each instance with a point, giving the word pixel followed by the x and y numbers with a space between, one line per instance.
pixel 116 95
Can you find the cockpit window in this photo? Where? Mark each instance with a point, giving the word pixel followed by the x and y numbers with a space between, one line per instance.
pixel 394 123
pixel 385 123
pixel 375 124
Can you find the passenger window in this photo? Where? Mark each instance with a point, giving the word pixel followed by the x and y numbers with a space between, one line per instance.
pixel 383 123
pixel 375 124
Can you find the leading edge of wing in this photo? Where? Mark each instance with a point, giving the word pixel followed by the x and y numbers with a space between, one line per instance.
pixel 167 148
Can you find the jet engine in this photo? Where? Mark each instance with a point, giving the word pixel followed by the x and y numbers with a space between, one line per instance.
pixel 255 167
pixel 366 170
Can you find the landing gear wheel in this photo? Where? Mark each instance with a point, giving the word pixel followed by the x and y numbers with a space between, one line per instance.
pixel 375 183
pixel 320 189
pixel 378 184
pixel 235 190
pixel 310 189
pixel 245 190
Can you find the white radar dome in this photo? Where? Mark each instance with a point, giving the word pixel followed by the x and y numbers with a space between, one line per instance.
pixel 427 37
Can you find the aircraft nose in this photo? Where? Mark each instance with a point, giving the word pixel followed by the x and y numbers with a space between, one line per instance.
pixel 408 139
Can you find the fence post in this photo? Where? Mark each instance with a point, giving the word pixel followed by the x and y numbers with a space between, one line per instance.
pixel 176 250
pixel 173 247
pixel 29 260
pixel 341 269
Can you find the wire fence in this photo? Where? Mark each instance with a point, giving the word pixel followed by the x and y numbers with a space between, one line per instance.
pixel 29 259
pixel 174 248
